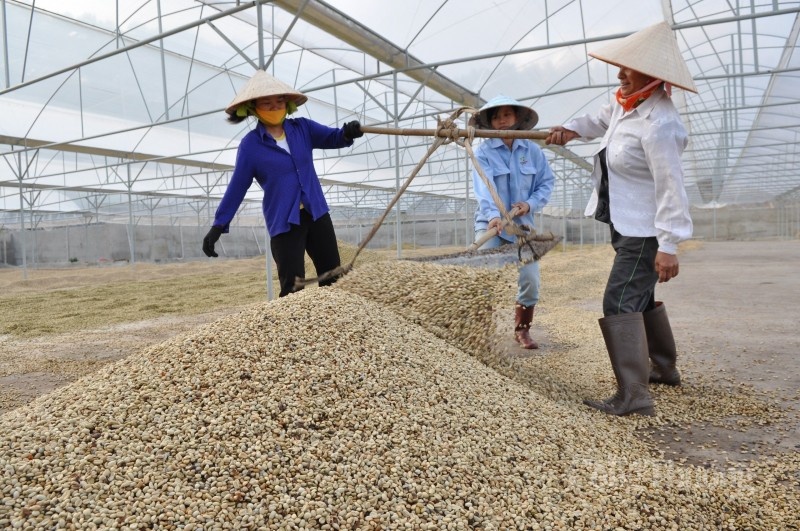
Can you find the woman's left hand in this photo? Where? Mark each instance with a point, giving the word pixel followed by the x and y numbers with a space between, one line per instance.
pixel 523 207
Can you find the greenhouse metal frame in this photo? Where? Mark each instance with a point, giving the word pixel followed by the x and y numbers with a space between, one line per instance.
pixel 113 113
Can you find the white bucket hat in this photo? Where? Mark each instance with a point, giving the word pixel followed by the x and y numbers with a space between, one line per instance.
pixel 652 51
pixel 262 84
pixel 526 117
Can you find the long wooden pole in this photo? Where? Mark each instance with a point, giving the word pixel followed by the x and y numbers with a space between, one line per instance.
pixel 461 133
pixel 440 134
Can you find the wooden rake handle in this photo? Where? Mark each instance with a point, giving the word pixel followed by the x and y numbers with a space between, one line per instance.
pixel 492 233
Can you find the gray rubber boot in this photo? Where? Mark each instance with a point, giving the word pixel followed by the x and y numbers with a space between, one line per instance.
pixel 626 342
pixel 661 347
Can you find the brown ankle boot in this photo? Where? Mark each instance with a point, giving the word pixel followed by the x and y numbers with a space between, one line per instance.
pixel 522 323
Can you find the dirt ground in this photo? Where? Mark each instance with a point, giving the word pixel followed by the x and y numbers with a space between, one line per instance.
pixel 733 309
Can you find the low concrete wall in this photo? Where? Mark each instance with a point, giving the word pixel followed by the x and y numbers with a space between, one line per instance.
pixel 106 242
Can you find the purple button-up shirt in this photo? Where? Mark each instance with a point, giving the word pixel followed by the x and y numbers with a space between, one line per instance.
pixel 287 179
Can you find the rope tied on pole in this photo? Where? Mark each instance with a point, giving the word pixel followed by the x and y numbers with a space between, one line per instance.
pixel 446 132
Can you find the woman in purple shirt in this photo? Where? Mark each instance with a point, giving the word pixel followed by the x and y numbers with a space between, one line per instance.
pixel 278 154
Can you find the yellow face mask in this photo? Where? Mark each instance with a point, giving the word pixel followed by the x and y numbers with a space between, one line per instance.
pixel 271 117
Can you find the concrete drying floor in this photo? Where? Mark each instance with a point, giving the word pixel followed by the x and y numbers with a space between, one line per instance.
pixel 735 312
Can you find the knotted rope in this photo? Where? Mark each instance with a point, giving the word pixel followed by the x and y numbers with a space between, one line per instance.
pixel 446 132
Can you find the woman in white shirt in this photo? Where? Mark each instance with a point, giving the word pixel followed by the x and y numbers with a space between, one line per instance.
pixel 639 192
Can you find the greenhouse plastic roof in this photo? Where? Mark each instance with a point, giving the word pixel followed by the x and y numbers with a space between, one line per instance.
pixel 115 109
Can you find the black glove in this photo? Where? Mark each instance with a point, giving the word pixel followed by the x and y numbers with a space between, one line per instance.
pixel 210 239
pixel 352 130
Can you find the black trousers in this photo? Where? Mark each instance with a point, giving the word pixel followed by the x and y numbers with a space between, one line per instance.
pixel 317 238
pixel 632 282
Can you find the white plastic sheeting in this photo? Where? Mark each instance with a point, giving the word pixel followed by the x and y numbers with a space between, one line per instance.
pixel 102 98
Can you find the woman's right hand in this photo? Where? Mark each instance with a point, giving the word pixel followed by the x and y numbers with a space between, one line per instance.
pixel 560 135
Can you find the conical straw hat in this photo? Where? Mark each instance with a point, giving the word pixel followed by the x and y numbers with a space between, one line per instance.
pixel 262 84
pixel 652 51
pixel 526 117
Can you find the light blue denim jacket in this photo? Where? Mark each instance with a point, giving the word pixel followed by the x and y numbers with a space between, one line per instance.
pixel 519 174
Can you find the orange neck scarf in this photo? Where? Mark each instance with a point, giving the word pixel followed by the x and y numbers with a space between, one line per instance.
pixel 635 99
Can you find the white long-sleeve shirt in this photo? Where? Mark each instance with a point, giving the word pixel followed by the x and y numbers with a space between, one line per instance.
pixel 645 178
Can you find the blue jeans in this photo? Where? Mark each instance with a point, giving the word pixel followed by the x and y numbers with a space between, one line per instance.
pixel 528 281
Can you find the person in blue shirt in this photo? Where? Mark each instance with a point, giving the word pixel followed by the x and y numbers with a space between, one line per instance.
pixel 520 174
pixel 278 155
